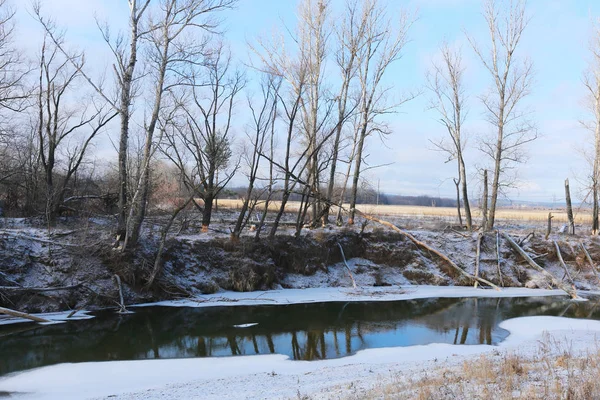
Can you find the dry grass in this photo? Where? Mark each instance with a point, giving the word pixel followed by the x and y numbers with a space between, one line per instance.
pixel 513 214
pixel 553 372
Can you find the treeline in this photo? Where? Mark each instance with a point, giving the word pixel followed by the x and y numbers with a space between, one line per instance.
pixel 364 196
pixel 312 98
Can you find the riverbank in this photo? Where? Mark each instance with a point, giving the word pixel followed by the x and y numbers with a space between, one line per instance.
pixel 363 375
pixel 73 268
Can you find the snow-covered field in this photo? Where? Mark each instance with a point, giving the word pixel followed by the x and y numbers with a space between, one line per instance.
pixel 275 376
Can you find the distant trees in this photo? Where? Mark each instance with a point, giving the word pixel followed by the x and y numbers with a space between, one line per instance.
pixel 446 83
pixel 511 83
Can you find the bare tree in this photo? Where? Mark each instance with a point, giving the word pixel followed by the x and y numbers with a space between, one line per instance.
pixel 60 125
pixel 172 52
pixel 200 143
pixel 512 80
pixel 258 134
pixel 125 54
pixel 591 80
pixel 350 35
pixel 385 39
pixel 446 84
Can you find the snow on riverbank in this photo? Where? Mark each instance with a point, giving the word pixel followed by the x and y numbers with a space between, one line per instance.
pixel 317 295
pixel 54 318
pixel 331 294
pixel 275 376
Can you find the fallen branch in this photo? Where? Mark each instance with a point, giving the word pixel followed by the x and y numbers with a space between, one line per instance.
pixel 35 239
pixel 19 314
pixel 427 247
pixel 347 266
pixel 562 262
pixel 7 279
pixel 570 291
pixel 535 257
pixel 34 289
pixel 589 258
pixel 477 256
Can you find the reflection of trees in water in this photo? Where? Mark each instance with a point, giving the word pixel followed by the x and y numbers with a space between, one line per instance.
pixel 304 332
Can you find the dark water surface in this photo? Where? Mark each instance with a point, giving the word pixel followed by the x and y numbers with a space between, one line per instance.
pixel 302 331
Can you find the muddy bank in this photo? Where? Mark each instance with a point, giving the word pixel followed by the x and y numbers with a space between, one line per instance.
pixel 78 265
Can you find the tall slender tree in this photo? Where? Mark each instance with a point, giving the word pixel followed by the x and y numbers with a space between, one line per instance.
pixel 446 83
pixel 511 83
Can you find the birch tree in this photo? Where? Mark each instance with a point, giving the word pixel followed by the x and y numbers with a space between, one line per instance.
pixel 385 40
pixel 446 84
pixel 172 50
pixel 124 48
pixel 350 35
pixel 591 81
pixel 511 83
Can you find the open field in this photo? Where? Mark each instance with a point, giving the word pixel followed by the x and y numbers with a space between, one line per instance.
pixel 582 216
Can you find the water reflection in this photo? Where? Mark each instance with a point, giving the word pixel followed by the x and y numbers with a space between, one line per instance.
pixel 303 332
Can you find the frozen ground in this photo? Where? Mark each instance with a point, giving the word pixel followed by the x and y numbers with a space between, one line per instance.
pixel 275 376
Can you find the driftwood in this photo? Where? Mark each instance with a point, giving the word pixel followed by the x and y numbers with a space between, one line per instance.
pixel 347 266
pixel 498 255
pixel 562 262
pixel 427 247
pixel 589 258
pixel 477 256
pixel 569 290
pixel 19 314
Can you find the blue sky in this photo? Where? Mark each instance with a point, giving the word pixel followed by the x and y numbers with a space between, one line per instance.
pixel 556 41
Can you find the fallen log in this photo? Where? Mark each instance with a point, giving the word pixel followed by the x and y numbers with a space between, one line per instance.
pixel 570 291
pixel 562 262
pixel 589 258
pixel 347 266
pixel 18 314
pixel 426 247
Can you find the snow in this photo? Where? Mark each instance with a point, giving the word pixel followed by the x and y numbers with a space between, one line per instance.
pixel 268 376
pixel 332 294
pixel 54 318
pixel 319 295
pixel 246 325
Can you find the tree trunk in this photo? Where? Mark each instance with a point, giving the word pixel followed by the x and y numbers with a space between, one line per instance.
pixel 357 166
pixel 569 208
pixel 465 195
pixel 484 201
pixel 457 183
pixel 207 212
